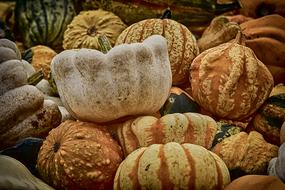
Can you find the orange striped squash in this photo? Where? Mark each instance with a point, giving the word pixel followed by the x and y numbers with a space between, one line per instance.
pixel 182 128
pixel 182 45
pixel 172 166
pixel 229 81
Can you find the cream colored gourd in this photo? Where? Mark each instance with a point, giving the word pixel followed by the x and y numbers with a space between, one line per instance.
pixel 131 79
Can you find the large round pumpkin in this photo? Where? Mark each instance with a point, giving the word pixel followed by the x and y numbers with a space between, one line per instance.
pixel 85 28
pixel 78 155
pixel 172 166
pixel 181 43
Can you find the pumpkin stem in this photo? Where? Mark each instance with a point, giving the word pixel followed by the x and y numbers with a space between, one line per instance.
pixel 104 43
pixel 35 78
pixel 92 31
pixel 52 84
pixel 56 146
pixel 166 14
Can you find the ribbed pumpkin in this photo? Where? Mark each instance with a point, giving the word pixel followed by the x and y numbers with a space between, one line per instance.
pixel 179 101
pixel 246 153
pixel 85 28
pixel 172 166
pixel 43 21
pixel 229 81
pixel 78 155
pixel 40 57
pixel 182 128
pixel 182 45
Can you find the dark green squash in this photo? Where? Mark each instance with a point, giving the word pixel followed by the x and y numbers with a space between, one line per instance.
pixel 43 21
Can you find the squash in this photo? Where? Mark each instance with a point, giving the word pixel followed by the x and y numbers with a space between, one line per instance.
pixel 220 30
pixel 131 79
pixel 181 128
pixel 85 28
pixel 14 176
pixel 229 81
pixel 79 155
pixel 181 44
pixel 26 151
pixel 278 89
pixel 172 166
pixel 260 182
pixel 194 14
pixel 179 101
pixel 246 153
pixel 276 166
pixel 43 22
pixel 40 58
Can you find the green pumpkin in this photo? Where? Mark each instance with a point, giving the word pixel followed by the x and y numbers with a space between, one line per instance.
pixel 43 21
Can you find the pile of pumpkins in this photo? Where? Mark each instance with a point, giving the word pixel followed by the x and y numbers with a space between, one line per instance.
pixel 99 103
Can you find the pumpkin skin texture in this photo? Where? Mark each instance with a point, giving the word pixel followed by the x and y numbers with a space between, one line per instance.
pixel 43 21
pixel 14 176
pixel 260 182
pixel 276 166
pixel 246 153
pixel 79 155
pixel 136 80
pixel 229 81
pixel 182 45
pixel 172 166
pixel 181 128
pixel 85 28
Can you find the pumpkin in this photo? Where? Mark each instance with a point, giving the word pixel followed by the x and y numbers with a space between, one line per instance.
pixel 40 58
pixel 26 151
pixel 266 37
pixel 194 14
pixel 245 153
pixel 181 44
pixel 172 166
pixel 260 182
pixel 220 30
pixel 131 79
pixel 229 81
pixel 79 155
pixel 278 89
pixel 182 128
pixel 282 133
pixel 269 118
pixel 179 101
pixel 276 166
pixel 14 176
pixel 85 28
pixel 43 21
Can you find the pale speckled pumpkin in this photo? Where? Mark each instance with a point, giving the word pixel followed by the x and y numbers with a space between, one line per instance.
pixel 246 153
pixel 172 166
pixel 85 28
pixel 182 45
pixel 131 79
pixel 229 81
pixel 79 155
pixel 181 128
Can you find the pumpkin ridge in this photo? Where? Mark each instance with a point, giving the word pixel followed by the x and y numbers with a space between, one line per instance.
pixel 163 172
pixel 192 173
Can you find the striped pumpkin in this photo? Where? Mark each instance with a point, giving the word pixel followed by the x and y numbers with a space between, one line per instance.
pixel 229 81
pixel 246 153
pixel 43 21
pixel 182 45
pixel 182 128
pixel 172 166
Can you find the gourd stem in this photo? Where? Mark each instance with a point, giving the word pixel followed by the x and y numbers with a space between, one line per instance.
pixel 166 14
pixel 52 84
pixel 35 78
pixel 104 43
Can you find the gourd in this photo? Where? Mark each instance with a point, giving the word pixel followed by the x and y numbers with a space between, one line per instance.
pixel 143 131
pixel 131 79
pixel 245 153
pixel 282 133
pixel 79 155
pixel 229 81
pixel 181 43
pixel 276 166
pixel 85 28
pixel 43 22
pixel 260 182
pixel 179 101
pixel 14 176
pixel 172 166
